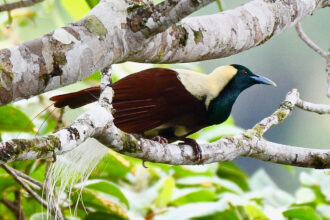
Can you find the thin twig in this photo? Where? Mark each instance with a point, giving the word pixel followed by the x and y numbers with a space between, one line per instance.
pixel 14 207
pixel 20 215
pixel 60 122
pixel 309 42
pixel 27 177
pixel 18 4
pixel 327 71
pixel 24 185
pixel 311 107
pixel 35 195
pixel 279 115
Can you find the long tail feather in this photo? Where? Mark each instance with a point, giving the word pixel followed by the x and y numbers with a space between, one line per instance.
pixel 77 99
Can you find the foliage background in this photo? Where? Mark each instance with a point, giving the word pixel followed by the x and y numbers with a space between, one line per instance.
pixel 121 188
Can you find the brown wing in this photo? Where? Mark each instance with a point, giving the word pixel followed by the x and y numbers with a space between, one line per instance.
pixel 150 98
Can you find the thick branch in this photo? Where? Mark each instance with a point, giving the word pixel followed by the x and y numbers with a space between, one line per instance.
pixel 290 155
pixel 98 124
pixel 85 126
pixel 150 19
pixel 226 33
pixel 250 144
pixel 104 37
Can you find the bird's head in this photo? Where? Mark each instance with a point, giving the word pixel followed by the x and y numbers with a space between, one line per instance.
pixel 244 78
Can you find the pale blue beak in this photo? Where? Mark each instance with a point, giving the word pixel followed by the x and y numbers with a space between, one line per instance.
pixel 263 80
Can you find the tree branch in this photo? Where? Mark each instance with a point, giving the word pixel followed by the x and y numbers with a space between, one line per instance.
pixel 249 144
pixel 303 36
pixel 224 34
pixel 15 208
pixel 150 19
pixel 26 177
pixel 311 107
pixel 318 50
pixel 98 123
pixel 24 185
pixel 327 70
pixel 104 37
pixel 19 4
pixel 14 174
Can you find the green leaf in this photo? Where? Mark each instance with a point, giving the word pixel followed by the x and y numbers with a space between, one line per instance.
pixel 6 181
pixel 14 120
pixel 107 187
pixel 225 215
pixel 32 208
pixel 305 195
pixel 102 216
pixel 72 7
pixel 319 181
pixel 264 187
pixel 301 213
pixel 185 171
pixel 254 212
pixel 165 192
pixel 324 210
pixel 94 77
pixel 228 170
pixel 41 216
pixel 203 195
pixel 215 132
pixel 260 179
pixel 114 166
pixel 96 201
pixel 92 3
pixel 48 125
pixel 224 185
pixel 289 168
pixel 194 210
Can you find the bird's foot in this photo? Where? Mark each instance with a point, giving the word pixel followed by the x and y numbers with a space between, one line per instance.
pixel 160 140
pixel 195 146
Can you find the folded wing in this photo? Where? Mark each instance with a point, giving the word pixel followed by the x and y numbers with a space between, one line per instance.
pixel 151 98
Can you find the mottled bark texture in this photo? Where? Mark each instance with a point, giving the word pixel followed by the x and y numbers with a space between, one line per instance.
pixel 106 35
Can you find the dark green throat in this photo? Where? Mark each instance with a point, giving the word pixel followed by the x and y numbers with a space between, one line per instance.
pixel 220 107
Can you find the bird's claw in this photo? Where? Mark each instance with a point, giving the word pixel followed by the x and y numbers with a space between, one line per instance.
pixel 195 146
pixel 160 140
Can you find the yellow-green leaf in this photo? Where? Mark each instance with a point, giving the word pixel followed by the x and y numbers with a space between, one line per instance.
pixel 165 192
pixel 14 120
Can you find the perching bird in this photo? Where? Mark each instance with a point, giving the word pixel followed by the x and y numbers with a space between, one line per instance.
pixel 170 104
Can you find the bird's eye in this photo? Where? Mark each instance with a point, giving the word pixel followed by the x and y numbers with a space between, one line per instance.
pixel 244 72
